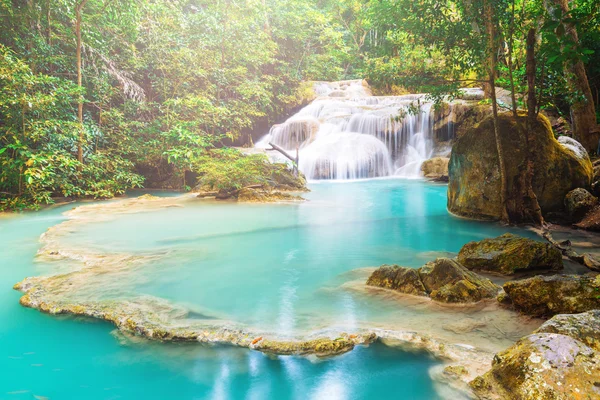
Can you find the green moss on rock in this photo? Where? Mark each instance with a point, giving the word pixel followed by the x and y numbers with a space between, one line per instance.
pixel 542 366
pixel 545 296
pixel 474 186
pixel 444 280
pixel 509 254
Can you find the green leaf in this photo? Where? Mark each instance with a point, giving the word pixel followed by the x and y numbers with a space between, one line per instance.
pixel 2 150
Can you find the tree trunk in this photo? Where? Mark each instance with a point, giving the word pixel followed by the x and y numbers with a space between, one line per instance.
pixel 491 68
pixel 583 113
pixel 510 61
pixel 533 209
pixel 78 10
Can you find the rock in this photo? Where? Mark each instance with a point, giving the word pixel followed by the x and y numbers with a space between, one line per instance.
pixel 591 221
pixel 596 188
pixel 444 280
pixel 401 279
pixel 474 187
pixel 453 120
pixel 252 195
pixel 584 327
pixel 542 366
pixel 545 296
pixel 435 168
pixel 509 254
pixel 578 202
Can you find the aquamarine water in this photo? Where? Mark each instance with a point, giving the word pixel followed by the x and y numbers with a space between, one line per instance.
pixel 289 269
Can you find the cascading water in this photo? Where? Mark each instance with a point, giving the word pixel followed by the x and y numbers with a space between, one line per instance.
pixel 347 133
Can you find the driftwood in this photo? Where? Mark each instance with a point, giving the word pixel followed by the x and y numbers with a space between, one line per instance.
pixel 586 259
pixel 274 147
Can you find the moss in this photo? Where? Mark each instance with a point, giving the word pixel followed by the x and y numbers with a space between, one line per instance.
pixel 508 254
pixel 474 187
pixel 444 280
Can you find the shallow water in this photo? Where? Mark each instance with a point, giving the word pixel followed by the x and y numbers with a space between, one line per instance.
pixel 289 269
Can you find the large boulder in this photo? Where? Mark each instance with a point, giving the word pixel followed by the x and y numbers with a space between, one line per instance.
pixel 584 327
pixel 509 254
pixel 542 366
pixel 579 202
pixel 443 280
pixel 474 186
pixel 435 168
pixel 545 296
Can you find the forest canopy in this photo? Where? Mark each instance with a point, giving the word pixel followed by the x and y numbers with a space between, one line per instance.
pixel 100 96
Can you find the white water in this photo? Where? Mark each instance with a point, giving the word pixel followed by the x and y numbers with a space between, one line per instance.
pixel 347 133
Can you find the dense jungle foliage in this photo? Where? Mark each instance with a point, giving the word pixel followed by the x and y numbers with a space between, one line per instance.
pixel 100 96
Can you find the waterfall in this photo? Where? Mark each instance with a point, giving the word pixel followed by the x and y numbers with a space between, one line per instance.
pixel 347 133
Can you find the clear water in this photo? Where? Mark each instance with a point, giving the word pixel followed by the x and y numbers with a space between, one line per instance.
pixel 289 269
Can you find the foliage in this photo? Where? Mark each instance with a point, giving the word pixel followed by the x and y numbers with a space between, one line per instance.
pixel 229 170
pixel 168 83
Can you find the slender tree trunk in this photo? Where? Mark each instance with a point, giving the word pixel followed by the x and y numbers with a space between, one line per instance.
pixel 491 67
pixel 583 112
pixel 510 61
pixel 78 10
pixel 533 209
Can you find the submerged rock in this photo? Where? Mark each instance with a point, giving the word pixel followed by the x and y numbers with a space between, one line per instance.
pixel 444 280
pixel 474 187
pixel 435 168
pixel 542 366
pixel 150 318
pixel 579 202
pixel 545 296
pixel 509 254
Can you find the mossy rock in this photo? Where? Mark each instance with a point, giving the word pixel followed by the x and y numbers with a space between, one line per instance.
pixel 444 280
pixel 542 366
pixel 509 254
pixel 579 202
pixel 474 184
pixel 546 296
pixel 584 327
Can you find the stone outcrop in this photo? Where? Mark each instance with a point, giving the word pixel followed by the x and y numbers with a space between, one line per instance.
pixel 474 186
pixel 435 168
pixel 443 280
pixel 545 296
pixel 579 202
pixel 453 120
pixel 591 221
pixel 542 366
pixel 260 195
pixel 584 327
pixel 509 254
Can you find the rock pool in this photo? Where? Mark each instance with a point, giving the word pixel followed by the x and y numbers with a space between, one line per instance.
pixel 286 271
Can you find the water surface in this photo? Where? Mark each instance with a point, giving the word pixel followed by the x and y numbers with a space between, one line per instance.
pixel 285 268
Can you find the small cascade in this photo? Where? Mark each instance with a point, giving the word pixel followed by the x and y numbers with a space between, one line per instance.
pixel 347 133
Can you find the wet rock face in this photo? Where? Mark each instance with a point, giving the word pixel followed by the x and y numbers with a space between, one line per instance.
pixel 545 296
pixel 509 254
pixel 542 366
pixel 474 186
pixel 591 221
pixel 435 168
pixel 584 327
pixel 444 280
pixel 579 202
